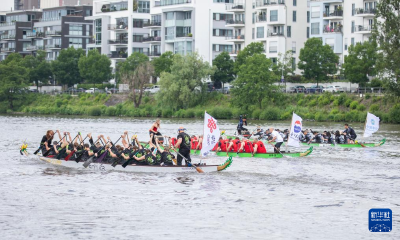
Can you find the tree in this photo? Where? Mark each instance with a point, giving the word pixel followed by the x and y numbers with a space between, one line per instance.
pixel 386 33
pixel 13 78
pixel 317 60
pixel 223 69
pixel 360 62
pixel 178 88
pixel 284 64
pixel 163 63
pixel 136 72
pixel 250 50
pixel 95 67
pixel 65 68
pixel 39 68
pixel 254 82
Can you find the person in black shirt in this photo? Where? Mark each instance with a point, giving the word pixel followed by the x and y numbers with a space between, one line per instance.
pixel 166 156
pixel 183 144
pixel 46 139
pixel 350 133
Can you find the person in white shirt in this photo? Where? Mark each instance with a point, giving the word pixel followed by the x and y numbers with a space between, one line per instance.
pixel 276 137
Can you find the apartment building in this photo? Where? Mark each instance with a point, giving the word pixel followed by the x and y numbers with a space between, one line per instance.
pixel 119 28
pixel 26 4
pixel 51 30
pixel 59 3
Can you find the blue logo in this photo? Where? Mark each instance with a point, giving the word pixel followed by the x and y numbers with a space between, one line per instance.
pixel 380 220
pixel 297 126
pixel 372 121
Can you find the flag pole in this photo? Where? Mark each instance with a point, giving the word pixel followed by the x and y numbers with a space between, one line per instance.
pixel 365 124
pixel 201 156
pixel 291 124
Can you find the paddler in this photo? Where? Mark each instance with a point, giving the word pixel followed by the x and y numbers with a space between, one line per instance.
pixel 47 139
pixel 276 137
pixel 153 131
pixel 166 156
pixel 350 133
pixel 183 143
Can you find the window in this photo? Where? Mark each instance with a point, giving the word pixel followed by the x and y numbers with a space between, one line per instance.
pixel 273 15
pixel 98 31
pixel 222 16
pixel 314 28
pixel 253 17
pixel 352 41
pixel 294 16
pixel 353 26
pixel 345 44
pixel 274 61
pixel 289 31
pixel 353 9
pixel 308 32
pixel 88 30
pixel 75 42
pixel 260 32
pixel 222 48
pixel 330 42
pixel 222 32
pixel 315 12
pixel 144 7
pixel 252 33
pixel 293 64
pixel 75 30
pixel 137 38
pixel 273 47
pixel 187 15
pixel 138 23
pixel 294 2
pixel 308 16
pixel 293 47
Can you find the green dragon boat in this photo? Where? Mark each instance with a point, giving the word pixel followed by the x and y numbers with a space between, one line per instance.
pixel 259 155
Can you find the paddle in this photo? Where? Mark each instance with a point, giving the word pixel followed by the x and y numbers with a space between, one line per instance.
pixel 63 150
pixel 278 150
pixel 199 170
pixel 78 158
pixel 47 152
pixel 90 160
pixel 116 160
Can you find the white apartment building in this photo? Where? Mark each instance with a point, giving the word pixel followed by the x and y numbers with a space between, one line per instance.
pixel 118 28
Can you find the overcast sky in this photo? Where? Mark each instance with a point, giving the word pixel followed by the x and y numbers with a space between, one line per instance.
pixel 6 5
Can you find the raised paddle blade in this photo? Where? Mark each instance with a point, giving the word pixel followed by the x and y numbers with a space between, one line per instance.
pixel 88 162
pixel 36 152
pixel 126 163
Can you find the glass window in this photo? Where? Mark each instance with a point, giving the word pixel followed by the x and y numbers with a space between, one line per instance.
pixel 353 27
pixel 75 30
pixel 315 12
pixel 144 7
pixel 170 16
pixel 294 2
pixel 353 9
pixel 308 32
pixel 75 42
pixel 260 32
pixel 289 31
pixel 352 41
pixel 252 33
pixel 138 23
pixel 308 16
pixel 314 28
pixel 294 16
pixel 273 15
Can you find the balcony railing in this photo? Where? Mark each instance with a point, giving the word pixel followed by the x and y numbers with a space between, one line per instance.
pixel 50 46
pixel 53 33
pixel 49 59
pixel 366 11
pixel 49 19
pixel 35 35
pixel 7 37
pixel 118 55
pixel 8 49
pixel 117 41
pixel 171 2
pixel 34 48
pixel 273 49
pixel 261 18
pixel 275 34
pixel 184 35
pixel 152 39
pixel 329 29
pixel 261 3
pixel 360 28
pixel 154 54
pixel 232 21
pixel 235 6
pixel 335 13
pixel 117 27
pixel 152 24
pixel 7 24
pixel 234 52
pixel 239 37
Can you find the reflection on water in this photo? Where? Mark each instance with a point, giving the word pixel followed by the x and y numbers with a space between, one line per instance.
pixel 324 196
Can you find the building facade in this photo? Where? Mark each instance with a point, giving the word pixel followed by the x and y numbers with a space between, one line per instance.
pixel 26 4
pixel 59 3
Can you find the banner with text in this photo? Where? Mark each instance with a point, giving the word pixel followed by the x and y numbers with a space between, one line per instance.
pixel 371 125
pixel 211 134
pixel 295 131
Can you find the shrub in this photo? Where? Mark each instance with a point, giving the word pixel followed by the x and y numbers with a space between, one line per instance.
pixel 394 114
pixel 199 113
pixel 256 114
pixel 59 103
pixel 270 114
pixel 146 99
pixel 347 103
pixel 189 113
pixel 361 107
pixel 374 108
pixel 325 101
pixel 94 111
pixel 166 113
pixel 3 108
pixel 336 103
pixel 320 116
pixel 286 116
pixel 312 103
pixel 221 113
pixel 110 111
pixel 342 99
pixel 354 105
pixel 339 117
pixel 335 111
pixel 300 102
pixel 367 96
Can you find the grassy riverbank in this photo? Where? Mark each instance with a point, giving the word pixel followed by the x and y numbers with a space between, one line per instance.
pixel 321 107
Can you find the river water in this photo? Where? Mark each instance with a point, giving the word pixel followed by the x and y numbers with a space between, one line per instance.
pixel 326 195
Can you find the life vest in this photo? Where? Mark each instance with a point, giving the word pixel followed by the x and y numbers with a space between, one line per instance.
pixel 261 147
pixel 248 146
pixel 193 143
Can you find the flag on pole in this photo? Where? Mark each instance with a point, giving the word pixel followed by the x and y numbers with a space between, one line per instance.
pixel 211 134
pixel 295 131
pixel 371 125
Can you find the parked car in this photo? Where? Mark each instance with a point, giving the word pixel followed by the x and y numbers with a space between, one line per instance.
pixel 92 90
pixel 333 89
pixel 300 89
pixel 315 89
pixel 74 90
pixel 153 89
pixel 291 90
pixel 112 91
pixel 227 89
pixel 33 90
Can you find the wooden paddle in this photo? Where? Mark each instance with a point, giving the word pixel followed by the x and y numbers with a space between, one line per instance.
pixel 199 170
pixel 278 150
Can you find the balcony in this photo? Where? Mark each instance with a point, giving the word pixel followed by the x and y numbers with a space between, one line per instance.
pixel 114 7
pixel 234 53
pixel 237 39
pixel 152 25
pixel 235 7
pixel 7 37
pixel 263 4
pixel 154 54
pixel 365 12
pixel 49 59
pixel 119 27
pixel 189 35
pixel 117 55
pixel 363 29
pixel 152 39
pixel 234 23
pixel 50 19
pixel 8 50
pixel 331 15
pixel 34 48
pixel 329 29
pixel 118 41
pixel 53 46
pixel 261 18
pixel 171 2
pixel 53 33
pixel 35 35
pixel 275 34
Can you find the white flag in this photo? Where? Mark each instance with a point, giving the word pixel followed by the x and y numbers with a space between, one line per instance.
pixel 295 131
pixel 372 125
pixel 211 134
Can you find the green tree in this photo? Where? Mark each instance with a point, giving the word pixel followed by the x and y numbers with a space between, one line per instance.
pixel 284 65
pixel 136 72
pixel 163 63
pixel 39 68
pixel 254 82
pixel 13 79
pixel 360 62
pixel 95 67
pixel 250 50
pixel 386 33
pixel 223 69
pixel 317 60
pixel 178 88
pixel 65 68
